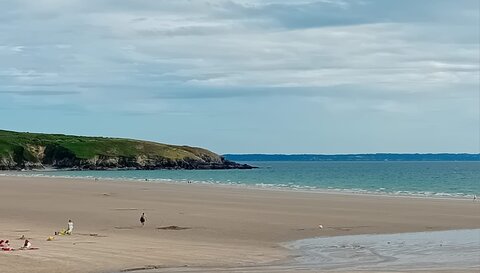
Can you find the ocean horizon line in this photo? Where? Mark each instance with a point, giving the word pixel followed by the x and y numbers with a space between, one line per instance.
pixel 354 157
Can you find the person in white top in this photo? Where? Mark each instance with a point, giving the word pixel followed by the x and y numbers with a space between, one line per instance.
pixel 70 227
pixel 26 245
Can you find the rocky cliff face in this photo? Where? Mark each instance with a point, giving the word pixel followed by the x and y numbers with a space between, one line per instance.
pixel 53 155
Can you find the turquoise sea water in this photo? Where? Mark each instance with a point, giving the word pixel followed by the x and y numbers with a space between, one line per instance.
pixel 435 179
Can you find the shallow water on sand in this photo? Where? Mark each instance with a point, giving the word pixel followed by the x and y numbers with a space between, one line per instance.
pixel 458 249
pixel 436 250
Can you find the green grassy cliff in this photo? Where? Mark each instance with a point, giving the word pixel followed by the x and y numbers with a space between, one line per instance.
pixel 37 151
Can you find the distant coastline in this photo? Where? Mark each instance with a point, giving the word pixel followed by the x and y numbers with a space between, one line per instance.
pixel 354 157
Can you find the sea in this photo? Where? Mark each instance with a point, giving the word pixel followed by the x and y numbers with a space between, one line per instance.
pixel 441 179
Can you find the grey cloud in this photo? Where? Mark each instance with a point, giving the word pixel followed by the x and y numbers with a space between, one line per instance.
pixel 409 61
pixel 309 14
pixel 184 31
pixel 238 48
pixel 340 92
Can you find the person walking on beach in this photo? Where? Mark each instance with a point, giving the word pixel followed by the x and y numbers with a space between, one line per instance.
pixel 143 219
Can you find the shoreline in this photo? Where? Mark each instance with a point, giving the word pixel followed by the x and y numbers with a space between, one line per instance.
pixel 219 227
pixel 258 186
pixel 365 253
pixel 450 249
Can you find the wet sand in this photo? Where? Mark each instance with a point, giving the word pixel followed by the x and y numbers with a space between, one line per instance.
pixel 222 229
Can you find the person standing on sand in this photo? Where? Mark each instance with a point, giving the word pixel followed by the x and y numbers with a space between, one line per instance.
pixel 143 219
pixel 70 227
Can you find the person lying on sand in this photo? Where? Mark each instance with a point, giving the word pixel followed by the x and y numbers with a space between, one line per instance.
pixel 143 219
pixel 5 245
pixel 26 246
pixel 7 248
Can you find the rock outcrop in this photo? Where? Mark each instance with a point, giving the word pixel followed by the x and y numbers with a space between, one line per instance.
pixel 38 151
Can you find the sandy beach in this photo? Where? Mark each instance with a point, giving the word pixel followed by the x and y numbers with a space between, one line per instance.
pixel 219 229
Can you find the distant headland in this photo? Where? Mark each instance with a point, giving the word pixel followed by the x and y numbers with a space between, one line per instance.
pixel 40 151
pixel 354 157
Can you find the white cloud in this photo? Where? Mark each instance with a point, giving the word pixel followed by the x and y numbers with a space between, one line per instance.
pixel 137 54
pixel 195 44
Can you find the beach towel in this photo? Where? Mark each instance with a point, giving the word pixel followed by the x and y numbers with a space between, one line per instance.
pixel 62 232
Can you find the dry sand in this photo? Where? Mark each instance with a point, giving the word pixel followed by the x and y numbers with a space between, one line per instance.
pixel 227 229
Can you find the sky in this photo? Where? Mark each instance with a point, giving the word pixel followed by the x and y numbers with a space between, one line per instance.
pixel 247 76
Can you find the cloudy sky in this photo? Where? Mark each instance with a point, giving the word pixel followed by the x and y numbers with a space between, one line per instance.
pixel 247 76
